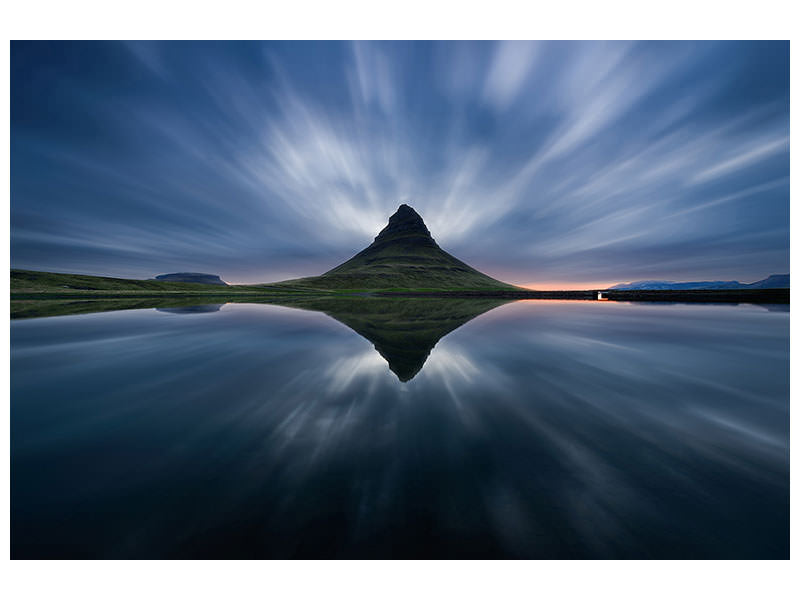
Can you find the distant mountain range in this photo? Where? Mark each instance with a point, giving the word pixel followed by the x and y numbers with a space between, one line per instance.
pixel 771 282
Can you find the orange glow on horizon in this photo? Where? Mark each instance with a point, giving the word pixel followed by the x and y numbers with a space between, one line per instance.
pixel 561 286
pixel 549 286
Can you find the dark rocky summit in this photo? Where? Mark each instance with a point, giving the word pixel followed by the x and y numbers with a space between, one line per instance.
pixel 205 278
pixel 406 221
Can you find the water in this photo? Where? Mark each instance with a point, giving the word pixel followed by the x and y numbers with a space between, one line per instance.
pixel 532 429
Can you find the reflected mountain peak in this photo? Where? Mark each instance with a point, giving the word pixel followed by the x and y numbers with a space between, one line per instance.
pixel 403 331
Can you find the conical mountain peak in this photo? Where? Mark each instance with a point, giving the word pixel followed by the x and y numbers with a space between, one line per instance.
pixel 404 256
pixel 405 221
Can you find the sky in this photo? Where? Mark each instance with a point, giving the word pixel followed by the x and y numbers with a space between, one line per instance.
pixel 547 164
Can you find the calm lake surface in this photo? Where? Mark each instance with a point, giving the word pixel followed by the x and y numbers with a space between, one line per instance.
pixel 533 429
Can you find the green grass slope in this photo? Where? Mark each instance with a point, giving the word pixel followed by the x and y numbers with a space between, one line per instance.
pixel 66 284
pixel 39 281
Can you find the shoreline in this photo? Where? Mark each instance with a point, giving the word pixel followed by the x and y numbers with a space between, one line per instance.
pixel 776 296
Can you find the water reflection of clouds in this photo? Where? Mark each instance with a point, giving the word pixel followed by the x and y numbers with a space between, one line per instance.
pixel 344 371
pixel 543 430
pixel 453 366
pixel 647 383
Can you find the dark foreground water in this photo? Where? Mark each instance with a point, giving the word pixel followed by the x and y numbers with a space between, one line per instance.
pixel 535 430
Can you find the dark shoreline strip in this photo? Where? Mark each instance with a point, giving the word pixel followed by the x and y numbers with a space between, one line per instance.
pixel 774 296
pixel 768 296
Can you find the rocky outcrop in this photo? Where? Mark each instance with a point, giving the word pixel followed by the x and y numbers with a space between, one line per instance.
pixel 405 221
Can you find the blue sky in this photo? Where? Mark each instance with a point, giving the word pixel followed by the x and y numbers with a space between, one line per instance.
pixel 557 163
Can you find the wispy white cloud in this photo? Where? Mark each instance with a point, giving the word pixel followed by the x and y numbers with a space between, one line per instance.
pixel 510 67
pixel 744 159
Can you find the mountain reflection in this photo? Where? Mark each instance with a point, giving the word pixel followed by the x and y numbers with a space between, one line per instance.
pixel 555 430
pixel 402 330
pixel 191 310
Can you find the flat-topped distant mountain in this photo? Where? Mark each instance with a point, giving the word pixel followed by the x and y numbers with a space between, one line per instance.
pixel 205 278
pixel 403 256
pixel 23 281
pixel 771 282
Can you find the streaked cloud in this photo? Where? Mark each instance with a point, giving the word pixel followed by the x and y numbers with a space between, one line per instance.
pixel 534 161
pixel 511 65
pixel 744 159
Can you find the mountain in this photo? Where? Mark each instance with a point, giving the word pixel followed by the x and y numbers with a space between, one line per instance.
pixel 672 285
pixel 403 256
pixel 771 282
pixel 192 278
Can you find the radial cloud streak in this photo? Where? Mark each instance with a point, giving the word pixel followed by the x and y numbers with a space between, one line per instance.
pixel 536 162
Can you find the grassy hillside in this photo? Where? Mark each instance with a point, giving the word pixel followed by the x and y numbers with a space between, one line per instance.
pixel 41 282
pixel 402 265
